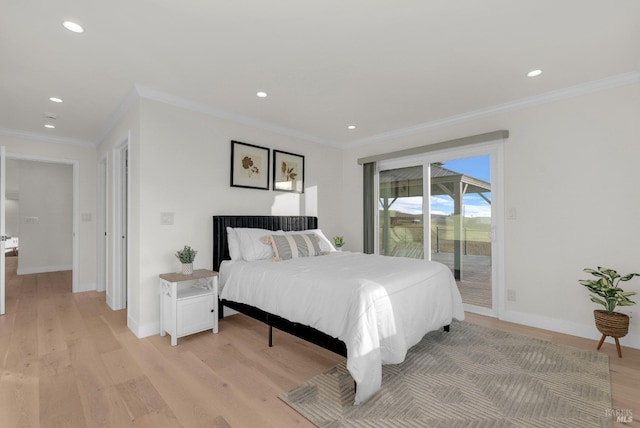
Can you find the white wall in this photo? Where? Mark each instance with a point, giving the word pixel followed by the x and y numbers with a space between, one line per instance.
pixel 126 131
pixel 85 156
pixel 46 194
pixel 12 216
pixel 180 163
pixel 571 172
pixel 12 199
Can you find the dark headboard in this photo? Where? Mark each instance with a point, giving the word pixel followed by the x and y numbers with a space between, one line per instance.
pixel 221 222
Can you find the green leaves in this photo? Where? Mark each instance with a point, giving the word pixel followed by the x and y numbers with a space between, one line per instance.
pixel 606 287
pixel 186 255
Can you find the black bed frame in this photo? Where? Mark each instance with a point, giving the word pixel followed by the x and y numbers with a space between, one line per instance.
pixel 221 252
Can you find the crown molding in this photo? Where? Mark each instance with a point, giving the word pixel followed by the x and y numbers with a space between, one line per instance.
pixel 123 108
pixel 138 91
pixel 16 133
pixel 629 78
pixel 152 94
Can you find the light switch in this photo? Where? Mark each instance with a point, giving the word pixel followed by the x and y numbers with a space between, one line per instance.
pixel 166 218
pixel 86 216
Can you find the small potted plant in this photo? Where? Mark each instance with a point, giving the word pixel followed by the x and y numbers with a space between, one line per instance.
pixel 606 292
pixel 186 257
pixel 338 241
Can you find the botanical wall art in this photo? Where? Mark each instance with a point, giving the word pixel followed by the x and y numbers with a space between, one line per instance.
pixel 288 172
pixel 249 166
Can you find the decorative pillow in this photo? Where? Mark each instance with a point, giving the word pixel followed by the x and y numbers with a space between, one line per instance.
pixel 251 247
pixel 234 244
pixel 325 245
pixel 291 246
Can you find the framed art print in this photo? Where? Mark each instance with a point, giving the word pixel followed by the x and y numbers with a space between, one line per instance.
pixel 288 172
pixel 249 166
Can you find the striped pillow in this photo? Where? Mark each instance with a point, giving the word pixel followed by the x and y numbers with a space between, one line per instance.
pixel 288 247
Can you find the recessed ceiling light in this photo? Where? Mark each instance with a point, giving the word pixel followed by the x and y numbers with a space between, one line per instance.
pixel 55 99
pixel 351 127
pixel 534 73
pixel 72 26
pixel 261 94
pixel 50 126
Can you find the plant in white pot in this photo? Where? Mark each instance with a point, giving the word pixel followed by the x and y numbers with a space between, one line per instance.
pixel 606 292
pixel 186 256
pixel 338 241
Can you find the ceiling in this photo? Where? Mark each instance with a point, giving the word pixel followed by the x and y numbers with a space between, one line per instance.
pixel 385 66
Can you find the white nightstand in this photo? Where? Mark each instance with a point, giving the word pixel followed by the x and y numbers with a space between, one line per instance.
pixel 188 303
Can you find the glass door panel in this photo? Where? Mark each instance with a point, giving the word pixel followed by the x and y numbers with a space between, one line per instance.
pixel 460 214
pixel 401 216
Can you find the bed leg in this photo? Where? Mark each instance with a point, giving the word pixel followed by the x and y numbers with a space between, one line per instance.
pixel 270 336
pixel 447 328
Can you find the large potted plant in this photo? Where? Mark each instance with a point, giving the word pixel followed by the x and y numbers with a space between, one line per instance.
pixel 607 292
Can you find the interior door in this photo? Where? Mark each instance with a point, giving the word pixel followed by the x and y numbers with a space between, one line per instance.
pixel 2 231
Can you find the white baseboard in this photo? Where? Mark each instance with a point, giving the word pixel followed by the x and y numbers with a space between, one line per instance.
pixel 146 330
pixel 154 328
pixel 85 287
pixel 112 305
pixel 43 269
pixel 228 312
pixel 567 327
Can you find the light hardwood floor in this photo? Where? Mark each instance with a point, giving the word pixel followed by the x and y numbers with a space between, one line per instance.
pixel 68 360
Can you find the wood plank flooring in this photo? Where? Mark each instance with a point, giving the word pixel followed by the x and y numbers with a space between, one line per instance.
pixel 68 360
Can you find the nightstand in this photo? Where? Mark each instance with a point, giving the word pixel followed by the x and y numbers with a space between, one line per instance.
pixel 188 303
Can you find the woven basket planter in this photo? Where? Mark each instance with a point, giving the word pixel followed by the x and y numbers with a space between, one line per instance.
pixel 614 325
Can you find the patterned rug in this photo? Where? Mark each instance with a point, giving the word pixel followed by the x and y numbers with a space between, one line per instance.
pixel 472 376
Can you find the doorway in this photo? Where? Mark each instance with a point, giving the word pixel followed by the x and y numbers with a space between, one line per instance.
pixel 101 283
pixel 117 298
pixel 461 221
pixel 40 214
pixel 445 206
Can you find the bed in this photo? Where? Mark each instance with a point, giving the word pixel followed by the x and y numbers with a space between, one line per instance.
pixel 371 309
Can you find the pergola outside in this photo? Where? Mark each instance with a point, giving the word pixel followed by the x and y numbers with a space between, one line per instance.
pixel 408 182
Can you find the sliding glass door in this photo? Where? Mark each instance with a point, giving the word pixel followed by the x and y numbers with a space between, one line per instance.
pixel 440 207
pixel 401 214
pixel 460 214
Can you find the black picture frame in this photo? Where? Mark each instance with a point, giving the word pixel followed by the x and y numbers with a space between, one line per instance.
pixel 249 166
pixel 288 172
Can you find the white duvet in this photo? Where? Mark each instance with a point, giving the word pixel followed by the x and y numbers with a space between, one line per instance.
pixel 378 306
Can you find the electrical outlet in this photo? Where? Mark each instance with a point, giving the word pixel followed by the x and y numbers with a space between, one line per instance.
pixel 31 220
pixel 511 295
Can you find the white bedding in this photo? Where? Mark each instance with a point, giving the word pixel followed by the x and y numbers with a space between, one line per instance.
pixel 378 306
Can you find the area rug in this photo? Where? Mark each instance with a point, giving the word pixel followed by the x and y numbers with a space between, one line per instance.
pixel 472 376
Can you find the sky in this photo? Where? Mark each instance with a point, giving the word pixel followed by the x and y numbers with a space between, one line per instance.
pixel 473 205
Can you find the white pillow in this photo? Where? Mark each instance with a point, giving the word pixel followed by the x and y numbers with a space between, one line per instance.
pixel 325 245
pixel 234 244
pixel 251 247
pixel 293 245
